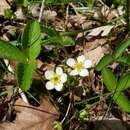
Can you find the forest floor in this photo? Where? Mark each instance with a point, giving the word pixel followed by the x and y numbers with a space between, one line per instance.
pixel 74 36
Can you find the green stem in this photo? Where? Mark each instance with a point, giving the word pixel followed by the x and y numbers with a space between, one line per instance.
pixel 87 100
pixel 33 97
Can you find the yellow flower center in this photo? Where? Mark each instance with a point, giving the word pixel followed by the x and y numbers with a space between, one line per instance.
pixel 79 66
pixel 55 79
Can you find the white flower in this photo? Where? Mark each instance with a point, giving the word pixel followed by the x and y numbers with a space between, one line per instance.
pixel 56 79
pixel 79 66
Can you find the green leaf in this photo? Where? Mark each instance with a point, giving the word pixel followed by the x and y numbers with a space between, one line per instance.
pixel 49 31
pixel 121 48
pixel 122 101
pixel 11 52
pixel 31 40
pixel 57 126
pixel 109 79
pixel 19 73
pixel 25 74
pixel 124 82
pixel 68 41
pixel 111 83
pixel 34 50
pixel 59 2
pixel 124 59
pixel 107 59
pixel 8 13
pixel 22 2
pixel 59 40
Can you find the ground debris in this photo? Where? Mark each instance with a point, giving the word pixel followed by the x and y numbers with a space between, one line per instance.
pixel 32 118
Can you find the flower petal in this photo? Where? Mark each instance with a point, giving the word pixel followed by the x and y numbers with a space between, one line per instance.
pixel 59 87
pixel 74 72
pixel 59 70
pixel 81 58
pixel 63 78
pixel 49 74
pixel 49 85
pixel 83 72
pixel 70 62
pixel 87 63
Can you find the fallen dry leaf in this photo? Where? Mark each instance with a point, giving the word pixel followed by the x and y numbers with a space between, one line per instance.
pixel 32 118
pixel 3 5
pixel 95 55
pixel 90 45
pixel 76 20
pixel 19 14
pixel 49 15
pixel 103 30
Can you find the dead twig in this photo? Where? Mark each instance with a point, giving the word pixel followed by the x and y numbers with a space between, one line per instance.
pixel 41 11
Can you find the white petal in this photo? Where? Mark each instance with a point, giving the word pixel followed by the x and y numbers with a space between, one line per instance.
pixel 81 58
pixel 74 72
pixel 59 87
pixel 49 85
pixel 59 70
pixel 63 78
pixel 70 62
pixel 49 74
pixel 83 72
pixel 87 63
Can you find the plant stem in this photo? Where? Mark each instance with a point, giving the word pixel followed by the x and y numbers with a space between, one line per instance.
pixel 67 112
pixel 87 100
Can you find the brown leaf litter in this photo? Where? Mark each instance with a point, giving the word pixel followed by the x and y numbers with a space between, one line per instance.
pixel 32 118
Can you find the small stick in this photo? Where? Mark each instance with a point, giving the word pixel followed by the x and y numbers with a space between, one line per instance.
pixel 68 109
pixel 66 113
pixel 41 11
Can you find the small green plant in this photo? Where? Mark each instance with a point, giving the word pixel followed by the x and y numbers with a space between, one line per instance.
pixel 31 42
pixel 26 56
pixel 83 115
pixel 68 77
pixel 56 38
pixel 116 85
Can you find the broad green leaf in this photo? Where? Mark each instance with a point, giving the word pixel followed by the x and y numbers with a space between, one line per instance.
pixel 109 79
pixel 59 40
pixel 19 73
pixel 34 50
pixel 25 73
pixel 107 59
pixel 124 82
pixel 31 34
pixel 31 40
pixel 122 101
pixel 11 52
pixel 121 48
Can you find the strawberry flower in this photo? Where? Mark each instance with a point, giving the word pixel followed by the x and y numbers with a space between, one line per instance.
pixel 80 66
pixel 56 79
